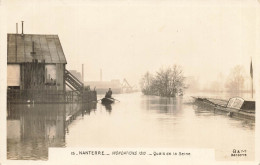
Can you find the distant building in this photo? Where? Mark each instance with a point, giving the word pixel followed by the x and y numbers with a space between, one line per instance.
pixel 102 86
pixel 76 74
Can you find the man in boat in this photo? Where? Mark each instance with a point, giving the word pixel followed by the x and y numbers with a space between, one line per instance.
pixel 109 93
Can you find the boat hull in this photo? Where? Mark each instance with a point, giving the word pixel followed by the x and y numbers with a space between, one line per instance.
pixel 218 108
pixel 107 101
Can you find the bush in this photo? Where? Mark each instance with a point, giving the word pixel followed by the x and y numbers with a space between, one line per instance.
pixel 167 82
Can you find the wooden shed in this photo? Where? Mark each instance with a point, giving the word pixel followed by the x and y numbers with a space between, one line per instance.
pixel 35 62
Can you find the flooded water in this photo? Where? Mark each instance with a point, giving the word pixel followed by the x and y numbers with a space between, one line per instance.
pixel 135 121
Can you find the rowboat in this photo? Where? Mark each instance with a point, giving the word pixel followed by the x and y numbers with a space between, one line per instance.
pixel 107 100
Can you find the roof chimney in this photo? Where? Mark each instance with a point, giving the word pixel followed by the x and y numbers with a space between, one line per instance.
pixel 22 28
pixel 16 28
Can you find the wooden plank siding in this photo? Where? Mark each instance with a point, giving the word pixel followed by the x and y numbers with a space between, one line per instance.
pixel 32 75
pixel 46 47
pixel 60 76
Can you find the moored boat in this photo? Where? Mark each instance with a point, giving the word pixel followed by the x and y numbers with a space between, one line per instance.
pixel 234 107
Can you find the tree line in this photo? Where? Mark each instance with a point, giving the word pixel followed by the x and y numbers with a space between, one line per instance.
pixel 168 82
pixel 236 82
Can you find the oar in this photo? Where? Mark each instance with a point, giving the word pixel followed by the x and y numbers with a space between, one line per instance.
pixel 116 99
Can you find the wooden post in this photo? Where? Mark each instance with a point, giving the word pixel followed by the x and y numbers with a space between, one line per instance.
pixel 22 28
pixel 251 74
pixel 252 87
pixel 72 96
pixel 16 28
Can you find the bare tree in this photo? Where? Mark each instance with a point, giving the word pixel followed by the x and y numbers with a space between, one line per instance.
pixel 146 83
pixel 177 80
pixel 236 79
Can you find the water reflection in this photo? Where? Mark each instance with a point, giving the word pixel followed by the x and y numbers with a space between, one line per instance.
pixel 136 121
pixel 162 104
pixel 201 110
pixel 32 129
pixel 108 108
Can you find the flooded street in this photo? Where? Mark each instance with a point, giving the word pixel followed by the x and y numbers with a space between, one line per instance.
pixel 135 121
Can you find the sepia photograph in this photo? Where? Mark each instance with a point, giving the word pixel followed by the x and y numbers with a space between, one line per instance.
pixel 122 81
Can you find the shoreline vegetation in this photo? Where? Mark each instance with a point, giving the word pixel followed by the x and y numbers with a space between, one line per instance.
pixel 167 82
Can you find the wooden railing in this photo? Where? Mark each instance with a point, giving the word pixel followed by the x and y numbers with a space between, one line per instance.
pixel 35 96
pixel 31 96
pixel 73 83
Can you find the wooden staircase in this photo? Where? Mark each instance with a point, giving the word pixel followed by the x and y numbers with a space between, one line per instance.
pixel 73 83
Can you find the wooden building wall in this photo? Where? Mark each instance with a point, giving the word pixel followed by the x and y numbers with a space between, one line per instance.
pixel 60 81
pixel 32 75
pixel 35 75
pixel 13 75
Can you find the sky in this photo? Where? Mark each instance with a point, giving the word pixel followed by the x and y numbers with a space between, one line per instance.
pixel 127 38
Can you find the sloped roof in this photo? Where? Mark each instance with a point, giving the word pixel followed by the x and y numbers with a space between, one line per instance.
pixel 46 47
